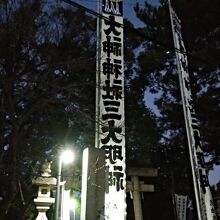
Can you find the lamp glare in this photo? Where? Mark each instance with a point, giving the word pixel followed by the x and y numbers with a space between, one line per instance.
pixel 67 156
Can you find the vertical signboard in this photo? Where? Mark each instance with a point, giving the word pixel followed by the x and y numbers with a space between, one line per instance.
pixel 110 106
pixel 204 201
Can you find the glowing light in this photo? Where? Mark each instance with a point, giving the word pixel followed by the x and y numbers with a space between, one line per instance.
pixel 67 156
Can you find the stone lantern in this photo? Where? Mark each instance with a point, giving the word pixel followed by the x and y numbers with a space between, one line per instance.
pixel 45 184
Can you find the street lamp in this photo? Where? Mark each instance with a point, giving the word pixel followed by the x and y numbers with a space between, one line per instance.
pixel 65 157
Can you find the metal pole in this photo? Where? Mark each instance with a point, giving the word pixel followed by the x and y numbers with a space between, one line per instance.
pixel 98 62
pixel 58 190
pixel 61 200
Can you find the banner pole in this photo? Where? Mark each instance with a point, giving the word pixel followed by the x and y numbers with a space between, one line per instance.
pixel 203 197
pixel 98 69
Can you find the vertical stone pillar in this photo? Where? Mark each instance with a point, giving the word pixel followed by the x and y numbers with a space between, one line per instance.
pixel 93 184
pixel 45 183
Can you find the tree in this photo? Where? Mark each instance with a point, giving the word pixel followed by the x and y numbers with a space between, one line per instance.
pixel 47 63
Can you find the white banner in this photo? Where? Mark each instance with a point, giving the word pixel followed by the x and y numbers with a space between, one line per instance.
pixel 111 107
pixel 205 206
pixel 181 205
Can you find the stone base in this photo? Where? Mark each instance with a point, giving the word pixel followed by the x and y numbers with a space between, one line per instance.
pixel 43 204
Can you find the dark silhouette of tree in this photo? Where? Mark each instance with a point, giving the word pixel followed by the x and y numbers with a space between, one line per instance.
pixel 46 87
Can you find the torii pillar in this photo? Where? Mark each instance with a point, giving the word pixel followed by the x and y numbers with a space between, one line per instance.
pixel 136 187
